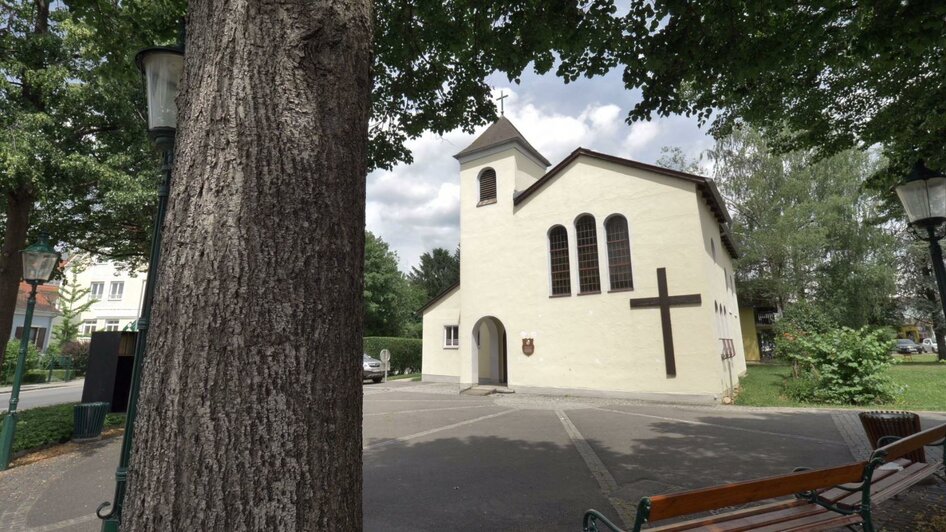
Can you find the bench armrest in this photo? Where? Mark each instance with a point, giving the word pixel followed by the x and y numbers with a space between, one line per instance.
pixel 590 522
pixel 884 440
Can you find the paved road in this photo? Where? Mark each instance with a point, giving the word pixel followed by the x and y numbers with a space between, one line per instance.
pixel 68 393
pixel 435 460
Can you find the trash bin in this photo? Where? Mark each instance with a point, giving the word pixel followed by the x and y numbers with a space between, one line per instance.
pixel 897 424
pixel 89 420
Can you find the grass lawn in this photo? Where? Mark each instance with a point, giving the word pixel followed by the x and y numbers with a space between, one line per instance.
pixel 43 426
pixel 924 378
pixel 406 376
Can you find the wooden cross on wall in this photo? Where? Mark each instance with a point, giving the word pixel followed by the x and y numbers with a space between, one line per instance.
pixel 664 301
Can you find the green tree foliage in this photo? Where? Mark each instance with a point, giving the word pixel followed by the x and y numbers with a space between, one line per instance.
pixel 73 301
pixel 74 158
pixel 828 76
pixel 438 270
pixel 808 229
pixel 390 300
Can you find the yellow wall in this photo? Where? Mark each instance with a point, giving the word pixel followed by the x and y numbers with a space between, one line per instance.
pixel 587 342
pixel 750 336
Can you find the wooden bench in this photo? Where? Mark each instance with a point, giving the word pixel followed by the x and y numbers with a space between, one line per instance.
pixel 823 498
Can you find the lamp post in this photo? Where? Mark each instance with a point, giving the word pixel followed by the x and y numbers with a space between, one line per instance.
pixel 162 68
pixel 39 260
pixel 923 194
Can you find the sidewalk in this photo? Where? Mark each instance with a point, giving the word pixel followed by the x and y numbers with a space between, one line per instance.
pixel 80 381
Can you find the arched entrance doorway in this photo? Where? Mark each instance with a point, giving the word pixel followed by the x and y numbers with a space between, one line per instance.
pixel 489 352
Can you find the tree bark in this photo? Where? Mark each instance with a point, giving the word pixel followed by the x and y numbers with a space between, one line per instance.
pixel 939 331
pixel 19 207
pixel 250 409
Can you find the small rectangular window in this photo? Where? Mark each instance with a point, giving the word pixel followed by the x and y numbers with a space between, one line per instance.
pixel 116 290
pixel 95 291
pixel 111 325
pixel 88 327
pixel 451 336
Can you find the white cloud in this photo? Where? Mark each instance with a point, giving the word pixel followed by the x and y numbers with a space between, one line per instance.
pixel 415 208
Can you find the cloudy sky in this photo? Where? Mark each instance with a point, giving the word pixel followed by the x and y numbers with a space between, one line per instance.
pixel 415 207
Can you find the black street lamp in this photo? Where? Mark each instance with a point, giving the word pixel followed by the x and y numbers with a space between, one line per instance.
pixel 39 260
pixel 923 194
pixel 162 68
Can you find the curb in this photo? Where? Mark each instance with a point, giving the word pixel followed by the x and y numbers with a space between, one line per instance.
pixel 30 387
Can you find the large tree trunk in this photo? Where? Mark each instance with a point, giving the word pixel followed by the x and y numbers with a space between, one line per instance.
pixel 19 207
pixel 250 412
pixel 939 331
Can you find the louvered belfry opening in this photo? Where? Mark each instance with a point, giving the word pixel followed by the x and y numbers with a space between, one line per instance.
pixel 619 253
pixel 558 261
pixel 487 186
pixel 589 279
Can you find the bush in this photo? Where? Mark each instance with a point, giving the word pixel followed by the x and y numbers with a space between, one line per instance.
pixel 405 352
pixel 48 425
pixel 798 321
pixel 10 358
pixel 78 350
pixel 35 376
pixel 844 366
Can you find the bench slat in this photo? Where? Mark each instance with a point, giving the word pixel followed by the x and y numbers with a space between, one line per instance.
pixel 826 521
pixel 909 444
pixel 779 511
pixel 904 480
pixel 701 500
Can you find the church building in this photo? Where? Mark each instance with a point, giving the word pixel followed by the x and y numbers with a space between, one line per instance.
pixel 601 276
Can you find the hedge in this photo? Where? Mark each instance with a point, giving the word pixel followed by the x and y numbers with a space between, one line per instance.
pixel 405 352
pixel 43 426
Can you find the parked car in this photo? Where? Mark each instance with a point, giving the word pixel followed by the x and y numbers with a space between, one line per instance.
pixel 907 346
pixel 929 346
pixel 372 368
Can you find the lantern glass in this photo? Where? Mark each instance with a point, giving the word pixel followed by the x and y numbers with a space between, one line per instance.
pixel 39 260
pixel 924 199
pixel 162 68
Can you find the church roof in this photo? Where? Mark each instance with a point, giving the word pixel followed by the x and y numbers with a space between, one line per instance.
pixel 501 132
pixel 438 297
pixel 705 185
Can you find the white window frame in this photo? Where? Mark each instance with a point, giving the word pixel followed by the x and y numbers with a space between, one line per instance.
pixel 112 323
pixel 451 336
pixel 89 327
pixel 96 295
pixel 111 290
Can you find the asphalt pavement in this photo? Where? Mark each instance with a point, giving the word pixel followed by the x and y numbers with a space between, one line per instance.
pixel 33 395
pixel 435 460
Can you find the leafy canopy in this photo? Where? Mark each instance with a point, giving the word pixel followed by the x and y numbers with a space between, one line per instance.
pixel 826 75
pixel 438 270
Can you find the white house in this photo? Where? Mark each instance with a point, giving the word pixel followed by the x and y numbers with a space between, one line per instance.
pixel 600 276
pixel 45 314
pixel 117 292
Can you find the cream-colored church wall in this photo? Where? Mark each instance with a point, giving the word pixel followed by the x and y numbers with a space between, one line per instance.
pixel 594 341
pixel 720 299
pixel 440 363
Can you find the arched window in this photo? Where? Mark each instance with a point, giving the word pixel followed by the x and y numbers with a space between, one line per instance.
pixel 589 279
pixel 558 261
pixel 619 253
pixel 487 186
